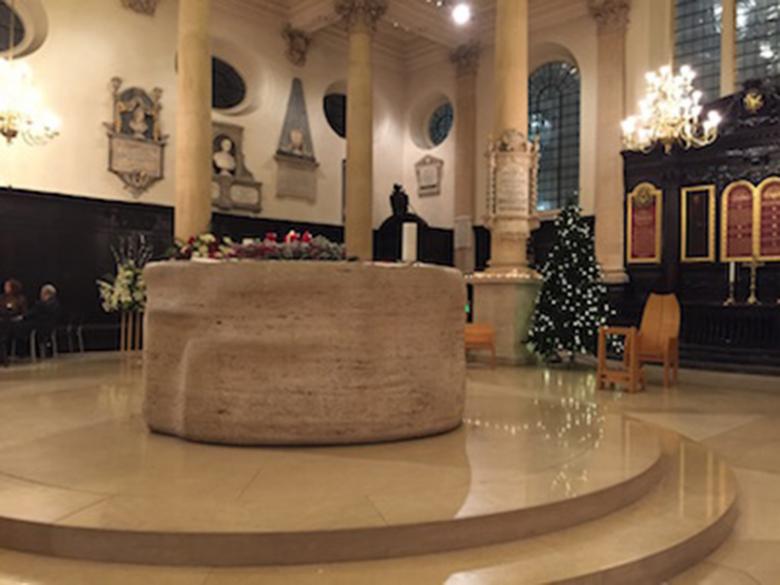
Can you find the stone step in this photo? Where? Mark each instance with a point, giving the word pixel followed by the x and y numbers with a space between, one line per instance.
pixel 673 526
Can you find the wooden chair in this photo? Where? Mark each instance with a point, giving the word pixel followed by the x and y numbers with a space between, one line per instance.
pixel 659 335
pixel 481 337
pixel 630 373
pixel 656 341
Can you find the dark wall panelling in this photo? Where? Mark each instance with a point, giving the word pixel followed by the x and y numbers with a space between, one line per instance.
pixel 748 148
pixel 539 246
pixel 67 240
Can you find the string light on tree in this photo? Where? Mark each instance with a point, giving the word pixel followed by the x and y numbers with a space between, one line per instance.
pixel 573 301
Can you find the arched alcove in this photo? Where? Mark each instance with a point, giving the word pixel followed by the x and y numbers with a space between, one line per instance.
pixel 431 120
pixel 31 26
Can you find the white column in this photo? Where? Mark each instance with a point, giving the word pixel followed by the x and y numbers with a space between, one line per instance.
pixel 612 19
pixel 513 162
pixel 193 120
pixel 466 61
pixel 361 17
pixel 505 295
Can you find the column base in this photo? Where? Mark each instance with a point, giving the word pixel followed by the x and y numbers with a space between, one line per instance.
pixel 506 301
pixel 615 276
pixel 464 260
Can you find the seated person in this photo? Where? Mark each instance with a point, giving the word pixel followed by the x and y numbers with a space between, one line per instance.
pixel 46 310
pixel 42 318
pixel 13 302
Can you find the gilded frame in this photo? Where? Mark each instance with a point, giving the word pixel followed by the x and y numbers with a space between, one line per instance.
pixel 724 223
pixel 757 220
pixel 643 189
pixel 710 257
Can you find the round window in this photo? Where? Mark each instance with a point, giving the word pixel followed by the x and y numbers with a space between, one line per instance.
pixel 10 20
pixel 227 85
pixel 440 123
pixel 335 105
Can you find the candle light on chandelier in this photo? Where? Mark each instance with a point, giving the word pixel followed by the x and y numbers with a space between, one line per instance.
pixel 669 114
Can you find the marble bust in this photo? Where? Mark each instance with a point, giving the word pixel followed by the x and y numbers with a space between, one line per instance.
pixel 138 123
pixel 297 144
pixel 223 159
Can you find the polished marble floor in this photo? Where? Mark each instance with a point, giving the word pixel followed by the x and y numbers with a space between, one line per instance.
pixel 70 428
pixel 78 454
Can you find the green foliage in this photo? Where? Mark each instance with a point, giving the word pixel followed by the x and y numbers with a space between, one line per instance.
pixel 573 302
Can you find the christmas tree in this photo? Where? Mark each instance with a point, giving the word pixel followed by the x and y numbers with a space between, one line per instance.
pixel 573 301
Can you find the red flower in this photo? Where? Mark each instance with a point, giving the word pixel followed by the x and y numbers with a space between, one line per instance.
pixel 291 237
pixel 306 238
pixel 270 236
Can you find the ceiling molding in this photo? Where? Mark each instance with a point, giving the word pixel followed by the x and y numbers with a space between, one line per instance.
pixel 413 33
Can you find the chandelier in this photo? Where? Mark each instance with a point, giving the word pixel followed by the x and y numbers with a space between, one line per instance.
pixel 21 105
pixel 670 113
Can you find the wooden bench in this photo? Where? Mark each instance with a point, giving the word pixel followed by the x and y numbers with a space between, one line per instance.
pixel 481 337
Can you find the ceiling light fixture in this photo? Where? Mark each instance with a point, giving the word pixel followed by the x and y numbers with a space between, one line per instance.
pixel 461 13
pixel 669 114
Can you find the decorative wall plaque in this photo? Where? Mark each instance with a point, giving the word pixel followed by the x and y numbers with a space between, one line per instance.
pixel 297 176
pixel 698 224
pixel 769 219
pixel 234 186
pixel 135 142
pixel 644 220
pixel 738 205
pixel 512 174
pixel 429 171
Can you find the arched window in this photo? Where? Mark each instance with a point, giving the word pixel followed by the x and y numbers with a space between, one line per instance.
pixel 7 18
pixel 335 106
pixel 554 108
pixel 228 88
pixel 758 39
pixel 440 123
pixel 697 38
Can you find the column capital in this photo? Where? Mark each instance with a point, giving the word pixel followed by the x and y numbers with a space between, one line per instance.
pixel 610 15
pixel 466 58
pixel 141 6
pixel 298 43
pixel 361 13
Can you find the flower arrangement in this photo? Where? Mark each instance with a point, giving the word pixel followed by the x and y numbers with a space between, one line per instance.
pixel 126 290
pixel 295 246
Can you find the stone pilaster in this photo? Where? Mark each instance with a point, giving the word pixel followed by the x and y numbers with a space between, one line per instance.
pixel 193 120
pixel 360 17
pixel 611 17
pixel 466 61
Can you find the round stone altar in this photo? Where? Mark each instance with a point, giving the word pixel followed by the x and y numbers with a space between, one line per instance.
pixel 303 352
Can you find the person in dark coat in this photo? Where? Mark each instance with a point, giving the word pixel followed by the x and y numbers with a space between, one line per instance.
pixel 13 302
pixel 46 311
pixel 41 318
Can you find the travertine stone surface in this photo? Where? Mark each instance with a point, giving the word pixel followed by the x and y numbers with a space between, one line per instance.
pixel 303 352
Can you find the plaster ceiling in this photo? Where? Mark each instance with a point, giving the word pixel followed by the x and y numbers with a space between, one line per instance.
pixel 413 26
